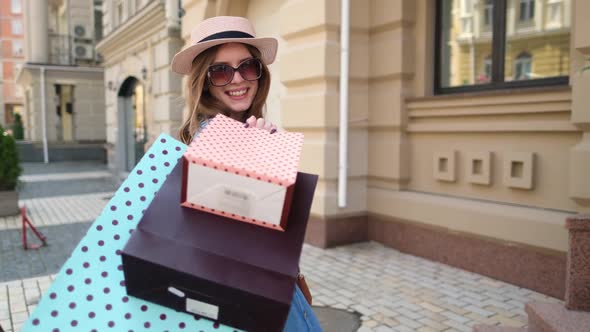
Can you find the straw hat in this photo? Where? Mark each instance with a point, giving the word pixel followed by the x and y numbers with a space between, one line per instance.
pixel 221 30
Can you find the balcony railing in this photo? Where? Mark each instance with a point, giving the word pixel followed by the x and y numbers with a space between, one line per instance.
pixel 60 49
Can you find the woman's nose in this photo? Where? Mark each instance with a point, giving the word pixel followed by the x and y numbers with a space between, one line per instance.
pixel 237 77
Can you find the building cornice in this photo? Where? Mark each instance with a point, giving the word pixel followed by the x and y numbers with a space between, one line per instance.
pixel 30 65
pixel 24 75
pixel 134 31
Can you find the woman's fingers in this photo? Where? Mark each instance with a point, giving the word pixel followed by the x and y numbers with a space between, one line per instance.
pixel 260 123
pixel 251 121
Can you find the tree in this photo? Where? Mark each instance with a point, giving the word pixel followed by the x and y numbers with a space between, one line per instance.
pixel 10 168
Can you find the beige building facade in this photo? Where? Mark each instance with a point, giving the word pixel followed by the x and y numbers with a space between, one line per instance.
pixel 482 179
pixel 143 97
pixel 61 79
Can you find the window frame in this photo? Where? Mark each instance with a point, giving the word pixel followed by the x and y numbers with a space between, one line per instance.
pixel 554 7
pixel 497 81
pixel 17 45
pixel 529 10
pixel 16 27
pixel 487 64
pixel 525 61
pixel 16 7
pixel 119 12
pixel 488 15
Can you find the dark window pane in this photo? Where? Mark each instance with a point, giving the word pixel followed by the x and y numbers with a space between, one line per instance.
pixel 527 10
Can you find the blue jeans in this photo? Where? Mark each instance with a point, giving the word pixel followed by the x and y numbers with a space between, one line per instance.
pixel 301 317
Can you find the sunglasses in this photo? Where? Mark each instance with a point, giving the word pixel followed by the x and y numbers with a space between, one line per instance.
pixel 222 74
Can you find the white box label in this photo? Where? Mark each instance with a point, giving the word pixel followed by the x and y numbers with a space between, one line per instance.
pixel 202 308
pixel 232 193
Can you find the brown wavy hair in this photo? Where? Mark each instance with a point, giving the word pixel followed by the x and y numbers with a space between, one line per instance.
pixel 203 105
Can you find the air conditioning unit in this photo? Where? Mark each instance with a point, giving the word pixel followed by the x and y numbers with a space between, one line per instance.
pixel 81 31
pixel 84 51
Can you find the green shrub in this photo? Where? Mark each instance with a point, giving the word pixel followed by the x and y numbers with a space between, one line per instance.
pixel 18 131
pixel 9 162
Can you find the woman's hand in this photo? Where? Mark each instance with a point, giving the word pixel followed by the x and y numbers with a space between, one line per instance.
pixel 260 123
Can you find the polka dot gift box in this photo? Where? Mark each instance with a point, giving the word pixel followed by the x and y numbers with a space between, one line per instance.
pixel 89 292
pixel 246 174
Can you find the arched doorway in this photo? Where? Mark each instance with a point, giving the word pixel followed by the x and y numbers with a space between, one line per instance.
pixel 132 133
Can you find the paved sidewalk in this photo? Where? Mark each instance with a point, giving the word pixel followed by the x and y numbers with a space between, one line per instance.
pixel 388 290
pixel 59 210
pixel 22 264
pixel 65 179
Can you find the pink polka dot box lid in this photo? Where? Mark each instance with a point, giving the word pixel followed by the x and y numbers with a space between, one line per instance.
pixel 226 145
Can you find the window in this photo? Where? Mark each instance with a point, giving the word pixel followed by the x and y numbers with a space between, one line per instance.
pixel 16 27
pixel 487 70
pixel 17 48
pixel 554 12
pixel 497 57
pixel 97 21
pixel 119 14
pixel 466 16
pixel 8 115
pixel 522 66
pixel 16 6
pixel 527 10
pixel 488 11
pixel 466 7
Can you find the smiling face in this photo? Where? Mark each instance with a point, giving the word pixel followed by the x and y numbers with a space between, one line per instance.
pixel 238 95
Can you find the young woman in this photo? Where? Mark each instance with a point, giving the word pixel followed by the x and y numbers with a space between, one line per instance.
pixel 228 74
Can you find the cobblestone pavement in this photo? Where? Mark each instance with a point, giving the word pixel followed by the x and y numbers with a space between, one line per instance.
pixel 59 210
pixel 18 263
pixel 389 290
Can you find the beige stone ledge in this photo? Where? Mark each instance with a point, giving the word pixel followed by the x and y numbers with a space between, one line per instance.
pixel 385 27
pixel 389 11
pixel 317 59
pixel 386 183
pixel 310 34
pixel 544 93
pixel 304 14
pixel 537 227
pixel 476 109
pixel 387 57
pixel 483 126
pixel 390 77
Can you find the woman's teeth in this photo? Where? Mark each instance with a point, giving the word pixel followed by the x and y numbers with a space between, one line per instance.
pixel 237 93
